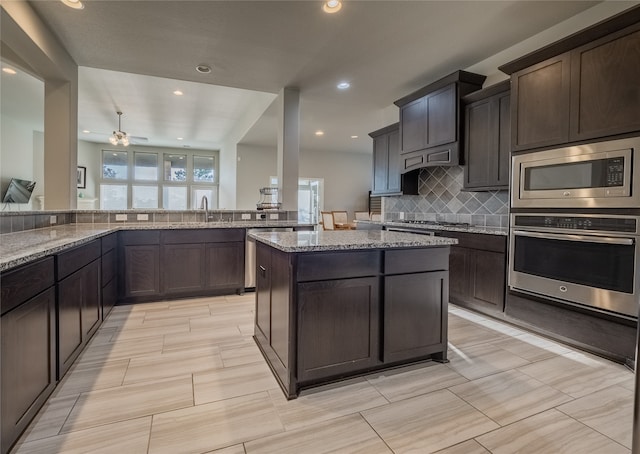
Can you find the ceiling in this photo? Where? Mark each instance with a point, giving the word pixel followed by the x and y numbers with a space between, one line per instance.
pixel 385 49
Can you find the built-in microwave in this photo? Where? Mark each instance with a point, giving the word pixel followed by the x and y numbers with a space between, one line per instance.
pixel 598 175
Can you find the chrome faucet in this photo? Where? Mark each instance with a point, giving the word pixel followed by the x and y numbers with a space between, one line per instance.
pixel 204 205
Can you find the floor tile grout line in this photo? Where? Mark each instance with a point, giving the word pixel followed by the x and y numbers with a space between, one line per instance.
pixel 590 428
pixel 374 430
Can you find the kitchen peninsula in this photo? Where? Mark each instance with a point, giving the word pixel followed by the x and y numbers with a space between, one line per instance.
pixel 333 304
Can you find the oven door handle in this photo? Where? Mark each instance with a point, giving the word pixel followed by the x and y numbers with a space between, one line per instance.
pixel 582 238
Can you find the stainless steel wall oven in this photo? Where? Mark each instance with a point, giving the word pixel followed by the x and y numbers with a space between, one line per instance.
pixel 585 259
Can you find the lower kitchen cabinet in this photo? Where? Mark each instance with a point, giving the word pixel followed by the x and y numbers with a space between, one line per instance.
pixel 28 348
pixel 181 263
pixel 109 280
pixel 338 325
pixel 79 310
pixel 413 323
pixel 477 271
pixel 322 316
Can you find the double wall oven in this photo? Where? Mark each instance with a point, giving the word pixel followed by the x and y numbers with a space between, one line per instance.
pixel 575 225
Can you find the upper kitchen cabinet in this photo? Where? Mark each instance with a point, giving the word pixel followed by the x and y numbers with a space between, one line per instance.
pixel 584 87
pixel 487 138
pixel 430 121
pixel 387 179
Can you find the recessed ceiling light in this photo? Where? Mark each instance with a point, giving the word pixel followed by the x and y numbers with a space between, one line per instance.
pixel 354 137
pixel 86 131
pixel 203 69
pixel 319 133
pixel 178 93
pixel 332 6
pixel 75 4
pixel 343 85
pixel 9 71
pixel 180 138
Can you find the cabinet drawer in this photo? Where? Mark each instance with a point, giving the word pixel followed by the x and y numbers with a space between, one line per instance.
pixel 140 237
pixel 338 265
pixel 69 261
pixel 202 236
pixel 404 261
pixel 109 242
pixel 481 241
pixel 25 282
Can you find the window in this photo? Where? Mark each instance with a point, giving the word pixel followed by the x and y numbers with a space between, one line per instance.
pixel 175 167
pixel 151 180
pixel 114 165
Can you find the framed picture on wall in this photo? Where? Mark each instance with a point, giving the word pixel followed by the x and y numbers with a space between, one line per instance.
pixel 82 177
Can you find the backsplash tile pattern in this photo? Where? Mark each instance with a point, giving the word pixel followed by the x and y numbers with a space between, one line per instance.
pixel 441 198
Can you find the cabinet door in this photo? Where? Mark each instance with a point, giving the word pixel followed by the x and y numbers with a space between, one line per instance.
pixel 338 327
pixel 70 335
pixel 380 164
pixel 487 279
pixel 480 144
pixel 441 117
pixel 605 86
pixel 27 363
pixel 263 292
pixel 393 162
pixel 413 125
pixel 225 265
pixel 540 104
pixel 458 273
pixel 183 268
pixel 503 163
pixel 141 270
pixel 91 311
pixel 414 306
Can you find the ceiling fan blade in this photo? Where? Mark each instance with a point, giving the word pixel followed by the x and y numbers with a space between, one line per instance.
pixel 138 138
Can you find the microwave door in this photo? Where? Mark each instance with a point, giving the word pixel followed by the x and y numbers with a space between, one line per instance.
pixel 566 180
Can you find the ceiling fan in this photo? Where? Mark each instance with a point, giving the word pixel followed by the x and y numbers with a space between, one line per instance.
pixel 119 137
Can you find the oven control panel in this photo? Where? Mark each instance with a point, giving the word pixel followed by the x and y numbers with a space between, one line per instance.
pixel 595 223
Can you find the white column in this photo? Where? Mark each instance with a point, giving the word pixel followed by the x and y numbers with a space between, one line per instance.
pixel 288 147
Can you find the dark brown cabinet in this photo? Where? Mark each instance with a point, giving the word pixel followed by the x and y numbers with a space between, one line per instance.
pixel 28 354
pixel 430 122
pixel 487 139
pixel 477 271
pixel 387 179
pixel 584 87
pixel 325 315
pixel 79 310
pixel 177 263
pixel 339 327
pixel 109 281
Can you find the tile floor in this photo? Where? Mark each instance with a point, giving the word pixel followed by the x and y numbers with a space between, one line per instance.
pixel 186 377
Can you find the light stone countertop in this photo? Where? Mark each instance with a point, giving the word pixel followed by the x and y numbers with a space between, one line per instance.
pixel 340 240
pixel 501 231
pixel 23 247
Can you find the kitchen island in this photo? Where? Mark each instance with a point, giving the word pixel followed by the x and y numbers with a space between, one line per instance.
pixel 334 304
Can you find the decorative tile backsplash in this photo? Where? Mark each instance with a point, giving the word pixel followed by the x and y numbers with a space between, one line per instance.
pixel 442 199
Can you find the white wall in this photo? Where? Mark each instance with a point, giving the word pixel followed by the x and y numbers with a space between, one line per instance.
pixel 16 155
pixel 347 176
pixel 255 166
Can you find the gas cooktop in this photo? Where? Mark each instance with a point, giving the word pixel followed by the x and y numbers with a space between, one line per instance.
pixel 441 223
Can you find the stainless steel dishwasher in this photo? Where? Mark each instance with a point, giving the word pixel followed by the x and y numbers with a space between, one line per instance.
pixel 250 254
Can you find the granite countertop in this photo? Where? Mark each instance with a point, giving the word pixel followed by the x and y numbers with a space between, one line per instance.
pixel 450 228
pixel 341 240
pixel 22 247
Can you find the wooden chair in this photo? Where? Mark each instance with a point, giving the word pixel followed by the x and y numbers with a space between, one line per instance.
pixel 362 216
pixel 327 220
pixel 341 220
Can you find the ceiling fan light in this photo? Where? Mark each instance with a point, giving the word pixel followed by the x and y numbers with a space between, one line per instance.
pixel 75 4
pixel 332 6
pixel 125 141
pixel 113 139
